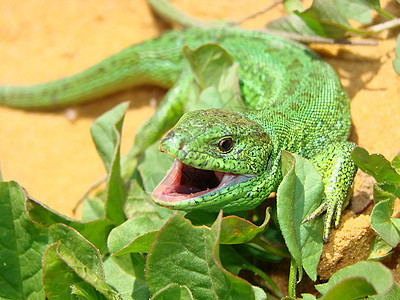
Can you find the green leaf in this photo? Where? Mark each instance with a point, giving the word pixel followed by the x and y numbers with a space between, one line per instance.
pixel 358 10
pixel 379 249
pixel 126 274
pixel 235 230
pixel 325 19
pixel 293 5
pixel 396 163
pixel 84 290
pixel 396 61
pixel 151 170
pixel 82 257
pixel 393 294
pixel 259 293
pixel 298 195
pixel 200 217
pixel 373 3
pixel 349 289
pixel 135 235
pixel 22 244
pixel 153 167
pixel 93 209
pixel 396 222
pixel 106 133
pixel 138 203
pixel 388 189
pixel 308 297
pixel 382 223
pixel 375 165
pixel 77 246
pixel 261 253
pixel 61 282
pixel 292 23
pixel 392 188
pixel 95 231
pixel 375 273
pixel 381 193
pixel 188 255
pixel 231 259
pixel 216 79
pixel 173 291
pixel 234 262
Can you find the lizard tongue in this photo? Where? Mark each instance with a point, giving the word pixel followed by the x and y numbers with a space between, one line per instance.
pixel 184 182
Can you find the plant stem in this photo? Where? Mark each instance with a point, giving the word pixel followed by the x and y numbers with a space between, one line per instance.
pixel 292 279
pixel 266 245
pixel 264 276
pixel 386 25
pixel 383 13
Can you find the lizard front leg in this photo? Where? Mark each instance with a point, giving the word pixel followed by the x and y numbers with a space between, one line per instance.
pixel 338 171
pixel 167 114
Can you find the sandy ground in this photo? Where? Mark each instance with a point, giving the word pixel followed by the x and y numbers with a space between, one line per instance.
pixel 53 156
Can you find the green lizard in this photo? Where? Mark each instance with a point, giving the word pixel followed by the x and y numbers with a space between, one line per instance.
pixel 226 160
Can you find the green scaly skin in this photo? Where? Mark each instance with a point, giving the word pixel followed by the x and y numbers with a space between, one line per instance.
pixel 294 99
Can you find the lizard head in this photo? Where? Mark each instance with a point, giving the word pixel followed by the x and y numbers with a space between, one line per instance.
pixel 217 155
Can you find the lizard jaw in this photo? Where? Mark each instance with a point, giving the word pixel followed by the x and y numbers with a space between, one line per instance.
pixel 184 185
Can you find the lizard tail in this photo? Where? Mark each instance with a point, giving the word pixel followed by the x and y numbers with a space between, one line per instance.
pixel 143 63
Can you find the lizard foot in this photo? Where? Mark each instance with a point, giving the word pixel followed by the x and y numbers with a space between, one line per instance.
pixel 338 171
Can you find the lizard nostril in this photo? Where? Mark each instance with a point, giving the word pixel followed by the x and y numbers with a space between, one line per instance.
pixel 169 135
pixel 166 140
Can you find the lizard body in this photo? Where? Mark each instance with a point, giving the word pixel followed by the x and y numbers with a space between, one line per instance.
pixel 294 99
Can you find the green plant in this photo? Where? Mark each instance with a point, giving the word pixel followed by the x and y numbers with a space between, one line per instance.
pixel 126 247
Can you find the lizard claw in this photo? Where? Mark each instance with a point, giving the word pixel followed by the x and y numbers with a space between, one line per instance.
pixel 338 170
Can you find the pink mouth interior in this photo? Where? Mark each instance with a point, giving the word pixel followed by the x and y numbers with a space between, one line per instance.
pixel 184 182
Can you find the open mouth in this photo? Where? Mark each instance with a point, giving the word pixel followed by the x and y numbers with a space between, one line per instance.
pixel 184 182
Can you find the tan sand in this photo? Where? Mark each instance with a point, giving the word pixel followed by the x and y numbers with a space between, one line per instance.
pixel 54 157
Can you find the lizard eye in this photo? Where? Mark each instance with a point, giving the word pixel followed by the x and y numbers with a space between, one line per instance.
pixel 225 145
